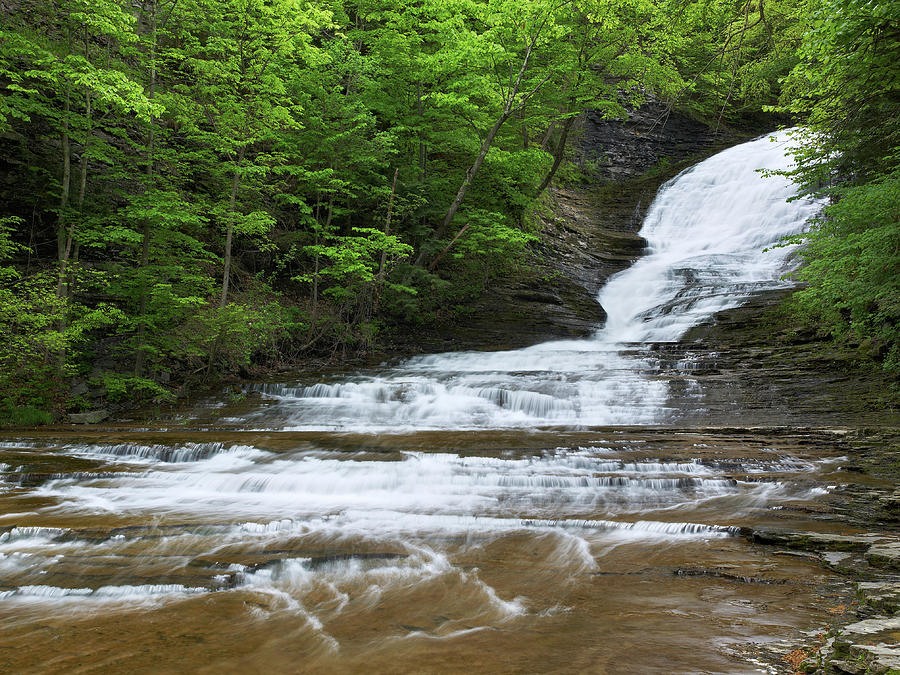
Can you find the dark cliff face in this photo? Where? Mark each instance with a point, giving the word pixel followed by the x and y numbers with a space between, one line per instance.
pixel 590 234
pixel 652 136
pixel 748 366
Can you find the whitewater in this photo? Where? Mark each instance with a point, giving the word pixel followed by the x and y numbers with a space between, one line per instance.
pixel 712 238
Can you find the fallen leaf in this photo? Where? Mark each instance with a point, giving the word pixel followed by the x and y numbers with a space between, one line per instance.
pixel 795 658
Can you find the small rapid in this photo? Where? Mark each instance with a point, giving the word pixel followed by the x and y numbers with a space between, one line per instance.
pixel 367 552
pixel 710 235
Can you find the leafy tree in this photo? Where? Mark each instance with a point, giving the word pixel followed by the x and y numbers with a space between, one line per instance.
pixel 847 88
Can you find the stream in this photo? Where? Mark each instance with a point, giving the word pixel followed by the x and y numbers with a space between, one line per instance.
pixel 536 510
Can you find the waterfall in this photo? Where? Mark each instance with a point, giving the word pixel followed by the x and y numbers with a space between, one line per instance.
pixel 708 232
pixel 196 548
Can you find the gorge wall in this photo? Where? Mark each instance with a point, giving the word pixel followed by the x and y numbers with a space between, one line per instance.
pixel 588 233
pixel 745 367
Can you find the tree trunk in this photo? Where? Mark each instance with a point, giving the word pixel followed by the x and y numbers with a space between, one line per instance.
pixel 387 225
pixel 509 109
pixel 229 233
pixel 422 148
pixel 315 288
pixel 62 286
pixel 546 140
pixel 66 183
pixel 558 154
pixel 379 279
pixel 447 247
pixel 61 230
pixel 525 139
pixel 471 172
pixel 140 354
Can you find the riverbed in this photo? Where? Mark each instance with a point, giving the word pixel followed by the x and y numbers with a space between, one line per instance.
pixel 605 550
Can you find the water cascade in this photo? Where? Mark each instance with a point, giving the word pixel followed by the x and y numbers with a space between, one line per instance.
pixel 417 519
pixel 708 234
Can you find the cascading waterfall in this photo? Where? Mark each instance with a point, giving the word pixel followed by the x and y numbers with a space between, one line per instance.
pixel 708 234
pixel 492 550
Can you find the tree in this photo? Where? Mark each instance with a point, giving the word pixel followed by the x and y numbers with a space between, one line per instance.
pixel 846 87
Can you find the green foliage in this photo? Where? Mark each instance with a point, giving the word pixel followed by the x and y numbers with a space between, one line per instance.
pixel 352 263
pixel 26 416
pixel 36 325
pixel 846 87
pixel 732 56
pixel 200 187
pixel 118 387
pixel 233 335
pixel 851 264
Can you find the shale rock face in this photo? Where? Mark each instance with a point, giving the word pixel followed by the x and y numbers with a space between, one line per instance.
pixel 748 368
pixel 91 417
pixel 590 235
pixel 652 135
pixel 868 646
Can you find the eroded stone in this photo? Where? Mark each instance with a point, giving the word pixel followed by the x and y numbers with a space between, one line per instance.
pixel 885 555
pixel 883 596
pixel 90 417
pixel 813 541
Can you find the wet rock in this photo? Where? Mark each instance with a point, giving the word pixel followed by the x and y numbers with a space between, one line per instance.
pixel 768 374
pixel 90 417
pixel 651 136
pixel 891 504
pixel 885 555
pixel 812 541
pixel 729 576
pixel 538 296
pixel 78 389
pixel 841 666
pixel 880 596
pixel 871 646
pixel 851 564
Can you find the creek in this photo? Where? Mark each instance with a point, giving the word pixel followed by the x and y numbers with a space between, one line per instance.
pixel 536 510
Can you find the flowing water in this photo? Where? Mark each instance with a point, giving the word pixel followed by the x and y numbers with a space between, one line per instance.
pixel 485 512
pixel 707 233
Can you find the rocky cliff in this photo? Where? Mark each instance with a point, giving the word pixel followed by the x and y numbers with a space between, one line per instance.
pixel 744 367
pixel 589 234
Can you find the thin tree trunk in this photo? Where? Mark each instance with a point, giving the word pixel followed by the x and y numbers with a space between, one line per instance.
pixel 73 247
pixel 229 234
pixel 558 155
pixel 422 148
pixel 140 354
pixel 447 247
pixel 471 172
pixel 62 287
pixel 387 225
pixel 315 289
pixel 62 228
pixel 61 223
pixel 66 183
pixel 525 139
pixel 387 231
pixel 545 141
